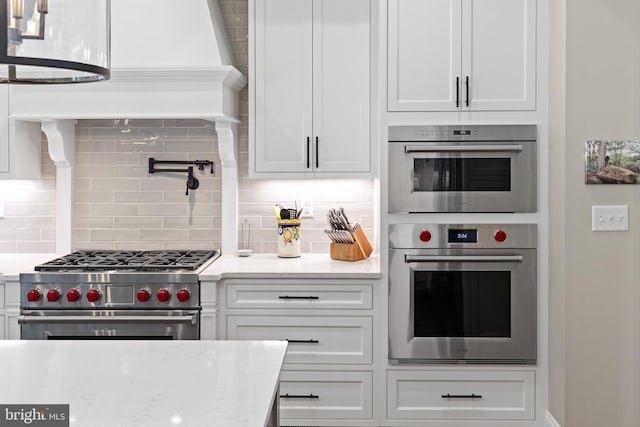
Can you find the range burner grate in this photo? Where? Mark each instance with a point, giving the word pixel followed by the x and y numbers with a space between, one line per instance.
pixel 96 260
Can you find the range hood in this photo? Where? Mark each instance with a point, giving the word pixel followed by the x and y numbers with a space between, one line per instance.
pixel 170 59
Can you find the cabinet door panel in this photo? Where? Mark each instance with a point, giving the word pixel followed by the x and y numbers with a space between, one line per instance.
pixel 283 86
pixel 325 395
pixel 499 42
pixel 4 129
pixel 424 54
pixel 447 395
pixel 341 46
pixel 311 339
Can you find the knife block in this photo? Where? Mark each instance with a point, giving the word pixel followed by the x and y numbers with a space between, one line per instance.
pixel 356 251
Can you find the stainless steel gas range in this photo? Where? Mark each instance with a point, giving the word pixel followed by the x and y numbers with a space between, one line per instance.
pixel 114 295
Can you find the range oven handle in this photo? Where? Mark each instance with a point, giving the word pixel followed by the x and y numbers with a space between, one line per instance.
pixel 515 148
pixel 462 258
pixel 23 320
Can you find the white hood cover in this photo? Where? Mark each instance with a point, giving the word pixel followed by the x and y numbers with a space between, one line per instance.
pixel 169 59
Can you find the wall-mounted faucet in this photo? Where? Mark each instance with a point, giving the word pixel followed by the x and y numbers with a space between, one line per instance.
pixel 192 181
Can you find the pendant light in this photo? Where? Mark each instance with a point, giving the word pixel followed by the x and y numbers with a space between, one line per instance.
pixel 54 41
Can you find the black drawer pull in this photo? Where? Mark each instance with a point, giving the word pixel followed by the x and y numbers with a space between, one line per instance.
pixel 461 396
pixel 299 396
pixel 303 341
pixel 295 297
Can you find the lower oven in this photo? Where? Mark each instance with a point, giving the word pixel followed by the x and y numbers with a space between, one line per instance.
pixel 463 293
pixel 110 324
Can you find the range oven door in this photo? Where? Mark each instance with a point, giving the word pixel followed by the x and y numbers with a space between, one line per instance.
pixel 110 324
pixel 452 305
pixel 462 177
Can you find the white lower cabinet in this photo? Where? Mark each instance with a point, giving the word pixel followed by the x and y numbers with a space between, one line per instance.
pixel 462 395
pixel 326 395
pixel 315 339
pixel 327 376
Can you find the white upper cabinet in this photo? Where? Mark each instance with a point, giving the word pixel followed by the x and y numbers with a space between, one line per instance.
pixel 457 55
pixel 310 83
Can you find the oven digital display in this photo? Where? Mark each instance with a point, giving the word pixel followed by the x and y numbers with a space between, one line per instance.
pixel 463 236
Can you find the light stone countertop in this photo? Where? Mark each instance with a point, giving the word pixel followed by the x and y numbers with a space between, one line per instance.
pixel 319 266
pixel 146 383
pixel 11 265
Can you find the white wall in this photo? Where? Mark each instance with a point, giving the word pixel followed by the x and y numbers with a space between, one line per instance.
pixel 595 326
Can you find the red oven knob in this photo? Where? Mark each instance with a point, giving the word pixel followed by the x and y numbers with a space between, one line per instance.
pixel 163 295
pixel 425 236
pixel 500 236
pixel 53 295
pixel 33 295
pixel 143 295
pixel 93 295
pixel 183 295
pixel 73 295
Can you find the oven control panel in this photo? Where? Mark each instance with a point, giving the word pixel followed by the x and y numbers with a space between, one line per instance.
pixel 479 236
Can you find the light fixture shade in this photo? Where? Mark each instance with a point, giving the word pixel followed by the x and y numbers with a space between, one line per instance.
pixel 55 41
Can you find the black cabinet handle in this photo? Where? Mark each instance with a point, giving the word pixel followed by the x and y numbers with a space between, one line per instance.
pixel 299 396
pixel 457 92
pixel 317 160
pixel 303 341
pixel 466 83
pixel 461 396
pixel 308 152
pixel 298 297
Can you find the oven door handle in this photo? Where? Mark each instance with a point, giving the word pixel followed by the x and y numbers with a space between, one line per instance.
pixel 463 148
pixel 462 258
pixel 23 320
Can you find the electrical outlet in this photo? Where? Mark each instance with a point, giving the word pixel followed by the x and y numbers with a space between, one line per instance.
pixel 609 218
pixel 307 207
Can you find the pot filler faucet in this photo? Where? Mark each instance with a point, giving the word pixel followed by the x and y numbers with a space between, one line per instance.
pixel 192 181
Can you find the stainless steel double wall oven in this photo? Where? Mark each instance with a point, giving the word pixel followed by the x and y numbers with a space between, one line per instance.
pixel 461 292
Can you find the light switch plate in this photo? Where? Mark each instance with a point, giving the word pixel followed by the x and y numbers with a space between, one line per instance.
pixel 609 218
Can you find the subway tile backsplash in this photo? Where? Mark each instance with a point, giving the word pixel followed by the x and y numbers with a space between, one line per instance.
pixel 123 206
pixel 119 205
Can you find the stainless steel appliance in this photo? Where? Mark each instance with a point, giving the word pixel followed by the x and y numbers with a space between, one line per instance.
pixel 479 168
pixel 462 293
pixel 114 295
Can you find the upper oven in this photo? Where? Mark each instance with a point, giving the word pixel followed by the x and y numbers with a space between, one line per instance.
pixel 475 168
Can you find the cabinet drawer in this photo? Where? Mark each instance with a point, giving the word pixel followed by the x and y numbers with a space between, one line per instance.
pixel 311 339
pixel 325 395
pixel 300 296
pixel 460 395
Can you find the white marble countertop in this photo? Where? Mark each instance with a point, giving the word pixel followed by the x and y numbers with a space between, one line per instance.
pixel 306 266
pixel 145 383
pixel 11 265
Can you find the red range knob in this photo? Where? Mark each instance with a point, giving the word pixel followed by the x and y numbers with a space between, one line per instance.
pixel 500 236
pixel 33 295
pixel 163 295
pixel 143 295
pixel 93 295
pixel 53 295
pixel 183 295
pixel 73 295
pixel 425 236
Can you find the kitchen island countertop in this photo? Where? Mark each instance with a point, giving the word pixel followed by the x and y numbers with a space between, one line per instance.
pixel 319 266
pixel 145 383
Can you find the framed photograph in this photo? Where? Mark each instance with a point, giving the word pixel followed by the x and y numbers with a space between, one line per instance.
pixel 611 162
